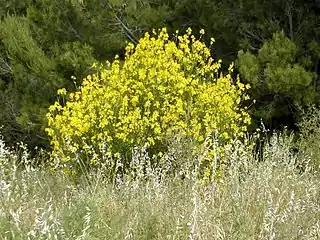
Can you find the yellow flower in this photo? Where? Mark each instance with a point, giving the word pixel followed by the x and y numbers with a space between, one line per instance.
pixel 62 92
pixel 189 31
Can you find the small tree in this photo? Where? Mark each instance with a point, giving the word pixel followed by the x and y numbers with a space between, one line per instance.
pixel 163 88
pixel 279 83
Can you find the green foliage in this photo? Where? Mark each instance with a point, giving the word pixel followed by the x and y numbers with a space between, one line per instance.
pixel 31 82
pixel 162 89
pixel 277 79
pixel 13 7
pixel 72 59
pixel 88 22
pixel 21 47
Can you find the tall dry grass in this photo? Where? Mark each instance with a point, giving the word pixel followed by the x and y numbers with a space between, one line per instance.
pixel 271 199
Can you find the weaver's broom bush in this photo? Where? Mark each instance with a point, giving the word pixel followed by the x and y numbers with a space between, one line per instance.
pixel 163 88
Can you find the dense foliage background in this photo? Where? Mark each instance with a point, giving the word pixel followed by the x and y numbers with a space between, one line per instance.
pixel 275 44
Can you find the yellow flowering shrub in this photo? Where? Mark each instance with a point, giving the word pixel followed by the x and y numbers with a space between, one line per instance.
pixel 162 88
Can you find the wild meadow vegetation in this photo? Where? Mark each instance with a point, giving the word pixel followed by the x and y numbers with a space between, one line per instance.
pixel 276 198
pixel 159 119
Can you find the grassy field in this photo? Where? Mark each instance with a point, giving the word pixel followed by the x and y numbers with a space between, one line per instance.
pixel 270 199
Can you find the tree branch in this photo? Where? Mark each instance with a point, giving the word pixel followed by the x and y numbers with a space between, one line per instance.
pixel 5 68
pixel 125 28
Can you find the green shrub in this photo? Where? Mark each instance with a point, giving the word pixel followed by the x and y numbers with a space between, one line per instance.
pixel 162 89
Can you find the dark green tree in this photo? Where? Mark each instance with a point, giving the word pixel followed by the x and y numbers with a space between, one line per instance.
pixel 280 84
pixel 29 80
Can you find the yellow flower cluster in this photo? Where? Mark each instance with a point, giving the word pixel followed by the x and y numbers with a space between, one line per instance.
pixel 162 88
